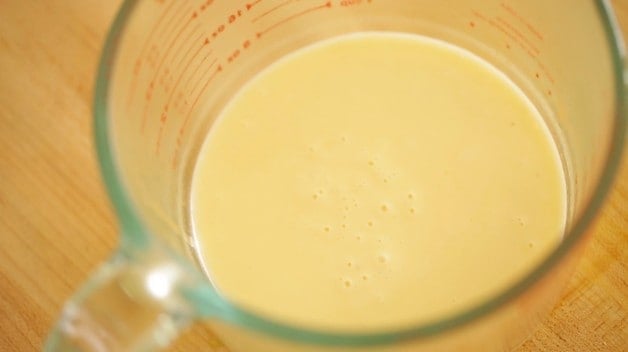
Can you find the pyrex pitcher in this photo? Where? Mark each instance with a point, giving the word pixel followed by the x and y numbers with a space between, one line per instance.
pixel 170 66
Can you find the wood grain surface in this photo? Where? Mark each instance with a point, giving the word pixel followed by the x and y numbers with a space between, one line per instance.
pixel 56 222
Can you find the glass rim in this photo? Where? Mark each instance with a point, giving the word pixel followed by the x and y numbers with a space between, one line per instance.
pixel 205 299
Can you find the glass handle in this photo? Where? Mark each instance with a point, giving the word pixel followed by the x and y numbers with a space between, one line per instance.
pixel 132 303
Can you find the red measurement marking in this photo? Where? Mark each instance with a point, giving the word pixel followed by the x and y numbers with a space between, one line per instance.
pixel 180 11
pixel 159 53
pixel 347 3
pixel 192 46
pixel 174 41
pixel 164 115
pixel 501 28
pixel 221 28
pixel 206 4
pixel 202 75
pixel 271 10
pixel 152 32
pixel 138 61
pixel 289 18
pixel 251 4
pixel 525 22
pixel 234 16
pixel 162 125
pixel 193 74
pixel 189 113
pixel 166 53
pixel 546 72
pixel 518 34
pixel 525 42
pixel 183 71
pixel 170 69
pixel 233 56
pixel 182 44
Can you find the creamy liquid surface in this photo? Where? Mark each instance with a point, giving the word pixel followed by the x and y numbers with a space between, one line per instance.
pixel 373 181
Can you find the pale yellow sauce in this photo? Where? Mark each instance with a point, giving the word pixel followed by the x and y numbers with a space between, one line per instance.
pixel 375 180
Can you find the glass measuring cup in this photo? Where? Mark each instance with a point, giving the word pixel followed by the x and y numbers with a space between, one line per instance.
pixel 170 66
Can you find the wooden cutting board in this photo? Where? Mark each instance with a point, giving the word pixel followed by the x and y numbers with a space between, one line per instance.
pixel 56 223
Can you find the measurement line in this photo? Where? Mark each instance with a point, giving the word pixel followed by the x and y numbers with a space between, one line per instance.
pixel 251 4
pixel 184 70
pixel 154 29
pixel 187 52
pixel 193 74
pixel 271 10
pixel 289 18
pixel 170 68
pixel 183 43
pixel 163 37
pixel 518 34
pixel 162 125
pixel 198 96
pixel 201 79
pixel 164 115
pixel 180 10
pixel 138 61
pixel 189 113
pixel 166 53
pixel 169 48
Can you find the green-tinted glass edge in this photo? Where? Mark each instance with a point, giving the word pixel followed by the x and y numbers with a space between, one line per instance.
pixel 132 231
